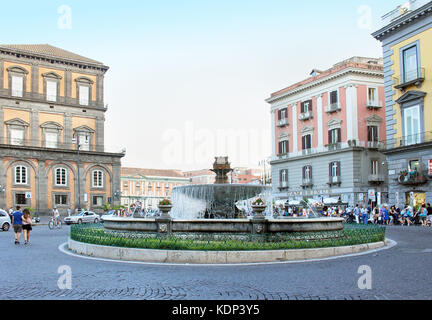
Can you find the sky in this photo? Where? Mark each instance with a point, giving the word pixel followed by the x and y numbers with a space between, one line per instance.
pixel 188 79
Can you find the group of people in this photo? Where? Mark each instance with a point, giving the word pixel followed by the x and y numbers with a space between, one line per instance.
pixel 362 214
pixel 22 223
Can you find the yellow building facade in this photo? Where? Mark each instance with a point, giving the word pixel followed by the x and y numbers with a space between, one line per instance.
pixel 52 148
pixel 407 52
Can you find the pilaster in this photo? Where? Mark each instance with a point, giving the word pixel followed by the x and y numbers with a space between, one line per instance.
pixel 34 128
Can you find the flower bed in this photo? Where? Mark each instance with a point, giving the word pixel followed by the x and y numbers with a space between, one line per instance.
pixel 351 235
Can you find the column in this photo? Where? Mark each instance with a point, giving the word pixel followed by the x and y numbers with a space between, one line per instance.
pixel 42 188
pixel 320 121
pixel 1 74
pixel 35 80
pixel 1 125
pixel 100 133
pixel 351 117
pixel 34 128
pixel 273 128
pixel 100 89
pixel 68 86
pixel 294 124
pixel 68 133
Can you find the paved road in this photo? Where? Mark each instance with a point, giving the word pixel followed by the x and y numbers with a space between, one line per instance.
pixel 403 272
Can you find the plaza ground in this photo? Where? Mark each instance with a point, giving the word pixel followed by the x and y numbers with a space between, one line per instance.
pixel 402 272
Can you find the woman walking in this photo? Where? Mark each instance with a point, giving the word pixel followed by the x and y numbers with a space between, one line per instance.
pixel 26 225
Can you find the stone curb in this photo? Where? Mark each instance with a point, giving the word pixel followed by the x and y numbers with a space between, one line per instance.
pixel 214 257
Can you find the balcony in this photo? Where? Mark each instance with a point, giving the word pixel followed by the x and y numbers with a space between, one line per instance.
pixel 334 107
pixel 376 178
pixel 375 145
pixel 334 146
pixel 410 78
pixel 335 181
pixel 307 183
pixel 282 122
pixel 373 104
pixel 306 116
pixel 413 178
pixel 307 152
pixel 283 186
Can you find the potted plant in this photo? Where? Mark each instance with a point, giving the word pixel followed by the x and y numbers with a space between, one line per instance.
pixel 259 206
pixel 165 206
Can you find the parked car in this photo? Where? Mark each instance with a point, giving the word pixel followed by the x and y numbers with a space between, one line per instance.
pixel 107 215
pixel 83 217
pixel 5 221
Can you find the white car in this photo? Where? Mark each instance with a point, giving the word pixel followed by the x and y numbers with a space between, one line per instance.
pixel 5 221
pixel 109 214
pixel 83 217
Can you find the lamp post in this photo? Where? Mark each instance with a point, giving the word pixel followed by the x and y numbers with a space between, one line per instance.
pixel 77 142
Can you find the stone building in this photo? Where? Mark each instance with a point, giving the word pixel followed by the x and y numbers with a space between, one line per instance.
pixel 149 186
pixel 51 101
pixel 326 133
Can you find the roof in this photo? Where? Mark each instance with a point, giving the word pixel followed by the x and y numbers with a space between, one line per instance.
pixel 152 172
pixel 403 20
pixel 50 51
pixel 371 64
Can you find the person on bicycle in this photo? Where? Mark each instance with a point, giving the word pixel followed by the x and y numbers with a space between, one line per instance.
pixel 56 216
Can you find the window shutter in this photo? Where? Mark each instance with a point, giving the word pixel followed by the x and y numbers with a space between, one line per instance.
pixel 330 169
pixel 311 106
pixel 338 168
pixel 339 132
pixel 279 114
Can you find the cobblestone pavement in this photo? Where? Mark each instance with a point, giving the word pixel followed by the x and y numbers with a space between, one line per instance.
pixel 30 272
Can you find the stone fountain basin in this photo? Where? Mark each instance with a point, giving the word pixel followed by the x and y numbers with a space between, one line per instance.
pixel 228 226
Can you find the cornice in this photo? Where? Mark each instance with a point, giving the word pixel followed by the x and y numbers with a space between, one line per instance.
pixel 331 77
pixel 403 21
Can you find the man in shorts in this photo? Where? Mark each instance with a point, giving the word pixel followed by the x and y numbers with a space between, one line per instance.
pixel 17 224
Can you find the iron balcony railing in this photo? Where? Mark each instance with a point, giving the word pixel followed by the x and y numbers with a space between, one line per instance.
pixel 374 104
pixel 334 107
pixel 306 116
pixel 376 178
pixel 413 178
pixel 283 122
pixel 414 77
pixel 406 141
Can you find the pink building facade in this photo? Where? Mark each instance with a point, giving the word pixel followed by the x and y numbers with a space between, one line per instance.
pixel 326 132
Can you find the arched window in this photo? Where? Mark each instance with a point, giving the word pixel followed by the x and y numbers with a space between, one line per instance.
pixel 61 177
pixel 98 179
pixel 21 175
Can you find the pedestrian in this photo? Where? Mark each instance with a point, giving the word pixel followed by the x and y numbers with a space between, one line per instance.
pixel 423 213
pixel 69 211
pixel 357 212
pixel 26 225
pixel 17 224
pixel 364 213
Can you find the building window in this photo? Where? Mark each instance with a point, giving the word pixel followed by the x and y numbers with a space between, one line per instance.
pixel 97 179
pixel 410 64
pixel 412 125
pixel 51 91
pixel 372 95
pixel 21 175
pixel 51 139
pixel 283 147
pixel 374 167
pixel 335 136
pixel 307 142
pixel 98 201
pixel 306 106
pixel 17 86
pixel 334 98
pixel 373 135
pixel 17 137
pixel 61 177
pixel 307 173
pixel 284 178
pixel 20 199
pixel 335 170
pixel 84 95
pixel 283 114
pixel 61 200
pixel 414 165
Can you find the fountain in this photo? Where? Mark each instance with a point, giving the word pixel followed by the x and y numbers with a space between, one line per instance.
pixel 218 201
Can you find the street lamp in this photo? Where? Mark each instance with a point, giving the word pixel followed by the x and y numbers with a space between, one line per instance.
pixel 77 142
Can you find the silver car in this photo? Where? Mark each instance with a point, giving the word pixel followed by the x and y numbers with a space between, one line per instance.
pixel 5 221
pixel 83 217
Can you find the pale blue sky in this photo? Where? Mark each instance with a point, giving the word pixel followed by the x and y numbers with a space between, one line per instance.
pixel 209 63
